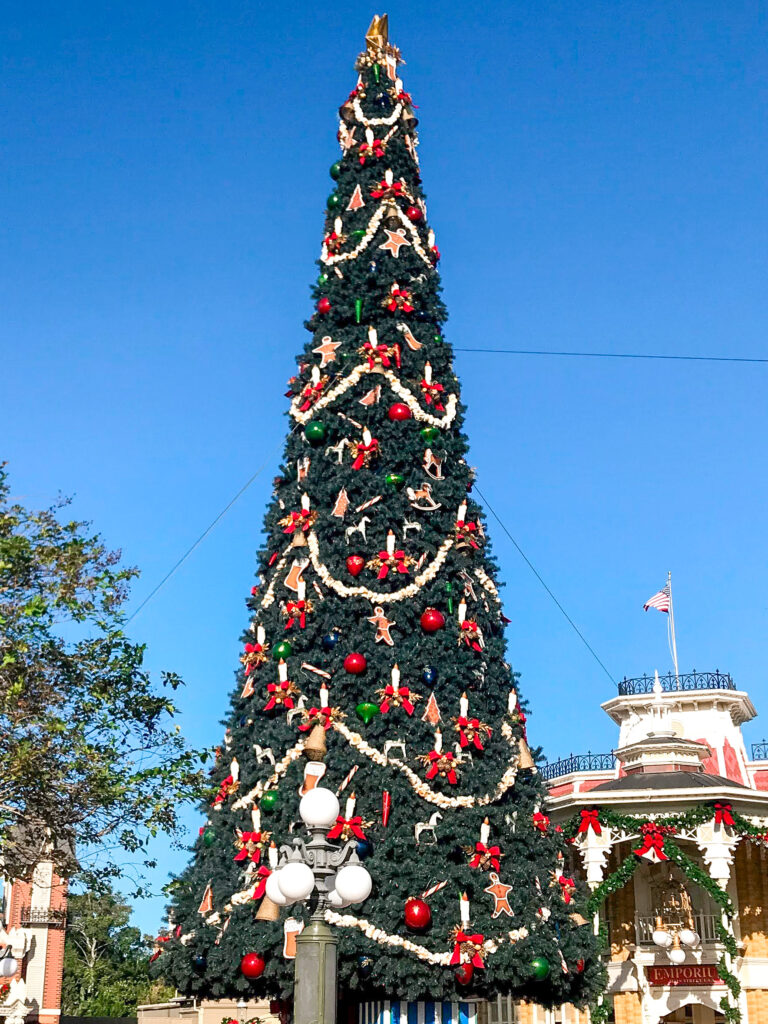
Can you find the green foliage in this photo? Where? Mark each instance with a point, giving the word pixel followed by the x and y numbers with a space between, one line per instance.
pixel 358 291
pixel 90 756
pixel 106 960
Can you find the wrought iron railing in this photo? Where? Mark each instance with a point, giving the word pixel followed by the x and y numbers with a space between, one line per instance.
pixel 31 916
pixel 671 683
pixel 704 924
pixel 588 762
pixel 760 751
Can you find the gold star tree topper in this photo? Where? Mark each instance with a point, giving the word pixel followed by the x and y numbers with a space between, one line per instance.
pixel 377 36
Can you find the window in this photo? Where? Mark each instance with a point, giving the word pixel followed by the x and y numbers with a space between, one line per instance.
pixel 502 1010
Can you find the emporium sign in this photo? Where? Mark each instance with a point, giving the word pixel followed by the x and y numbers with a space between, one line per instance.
pixel 693 974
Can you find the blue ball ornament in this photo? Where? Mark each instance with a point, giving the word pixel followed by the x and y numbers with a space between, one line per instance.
pixel 364 966
pixel 364 848
pixel 199 962
pixel 330 640
pixel 429 675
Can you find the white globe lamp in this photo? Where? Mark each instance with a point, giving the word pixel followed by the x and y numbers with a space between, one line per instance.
pixel 336 901
pixel 676 954
pixel 353 883
pixel 319 808
pixel 689 937
pixel 8 966
pixel 660 935
pixel 296 881
pixel 273 891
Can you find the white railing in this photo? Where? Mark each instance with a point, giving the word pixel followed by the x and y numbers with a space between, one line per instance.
pixel 645 924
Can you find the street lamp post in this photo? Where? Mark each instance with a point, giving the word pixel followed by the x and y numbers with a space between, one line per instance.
pixel 326 876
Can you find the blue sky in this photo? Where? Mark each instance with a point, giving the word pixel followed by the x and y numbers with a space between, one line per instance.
pixel 596 179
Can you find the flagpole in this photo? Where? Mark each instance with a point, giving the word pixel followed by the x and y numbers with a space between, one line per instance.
pixel 672 628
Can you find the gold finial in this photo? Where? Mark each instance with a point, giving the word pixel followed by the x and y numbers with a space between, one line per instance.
pixel 378 32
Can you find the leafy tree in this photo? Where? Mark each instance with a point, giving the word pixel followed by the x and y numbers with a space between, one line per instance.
pixel 91 759
pixel 106 960
pixel 359 640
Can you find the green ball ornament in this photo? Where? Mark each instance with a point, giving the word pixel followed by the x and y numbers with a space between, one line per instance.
pixel 366 712
pixel 430 433
pixel 315 432
pixel 282 651
pixel 333 202
pixel 335 170
pixel 209 837
pixel 437 338
pixel 322 279
pixel 269 801
pixel 395 480
pixel 540 968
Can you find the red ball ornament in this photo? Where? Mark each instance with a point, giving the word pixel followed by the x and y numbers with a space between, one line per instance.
pixel 463 974
pixel 414 213
pixel 323 305
pixel 355 663
pixel 432 620
pixel 252 966
pixel 399 411
pixel 355 565
pixel 417 914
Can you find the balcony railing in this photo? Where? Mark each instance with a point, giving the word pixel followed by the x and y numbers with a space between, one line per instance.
pixel 588 762
pixel 760 751
pixel 645 924
pixel 39 916
pixel 672 683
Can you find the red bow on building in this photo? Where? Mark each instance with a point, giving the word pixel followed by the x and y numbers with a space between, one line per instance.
pixel 653 843
pixel 485 856
pixel 441 763
pixel 468 947
pixel 248 845
pixel 280 693
pixel 590 819
pixel 540 821
pixel 262 874
pixel 317 716
pixel 401 695
pixel 351 825
pixel 568 887
pixel 723 815
pixel 432 394
pixel 364 453
pixel 294 609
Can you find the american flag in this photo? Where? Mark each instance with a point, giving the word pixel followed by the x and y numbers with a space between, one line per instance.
pixel 659 601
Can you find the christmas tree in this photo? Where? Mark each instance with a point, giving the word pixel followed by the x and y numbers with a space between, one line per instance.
pixel 374 661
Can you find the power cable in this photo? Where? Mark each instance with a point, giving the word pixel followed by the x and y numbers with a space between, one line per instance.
pixel 538 576
pixel 613 355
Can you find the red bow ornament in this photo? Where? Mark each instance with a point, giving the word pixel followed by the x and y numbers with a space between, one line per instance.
pixel 466 533
pixel 590 819
pixel 441 763
pixel 363 453
pixel 540 821
pixel 653 843
pixel 303 520
pixel 467 948
pixel 317 716
pixel 405 97
pixel 345 828
pixel 333 242
pixel 369 150
pixel 384 189
pixel 262 875
pixel 486 857
pixel 297 610
pixel 249 844
pixel 255 655
pixel 311 393
pixel 396 696
pixel 469 633
pixel 382 354
pixel 159 943
pixel 567 887
pixel 472 730
pixel 229 786
pixel 281 693
pixel 399 300
pixel 432 394
pixel 398 561
pixel 723 814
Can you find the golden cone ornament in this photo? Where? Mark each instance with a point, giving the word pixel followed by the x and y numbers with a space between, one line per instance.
pixel 268 910
pixel 316 747
pixel 525 761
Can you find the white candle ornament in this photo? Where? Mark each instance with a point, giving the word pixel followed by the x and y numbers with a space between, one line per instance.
pixel 395 675
pixel 256 819
pixel 428 372
pixel 390 542
pixel 462 610
pixel 463 706
pixel 461 515
pixel 323 696
pixel 272 856
pixel 282 671
pixel 301 591
pixel 305 502
pixel 438 741
pixel 349 809
pixel 464 908
pixel 261 636
pixel 485 832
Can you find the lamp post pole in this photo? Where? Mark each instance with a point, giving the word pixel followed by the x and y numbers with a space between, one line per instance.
pixel 315 971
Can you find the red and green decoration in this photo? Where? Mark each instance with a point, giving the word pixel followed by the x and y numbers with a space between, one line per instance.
pixel 375 646
pixel 657 843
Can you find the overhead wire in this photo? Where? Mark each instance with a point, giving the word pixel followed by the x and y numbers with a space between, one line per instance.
pixel 613 355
